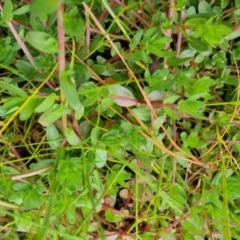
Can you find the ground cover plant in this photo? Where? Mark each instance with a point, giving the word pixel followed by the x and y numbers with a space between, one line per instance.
pixel 119 119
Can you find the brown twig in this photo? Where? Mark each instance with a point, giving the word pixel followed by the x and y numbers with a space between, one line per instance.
pixel 105 12
pixel 93 30
pixel 151 7
pixel 139 17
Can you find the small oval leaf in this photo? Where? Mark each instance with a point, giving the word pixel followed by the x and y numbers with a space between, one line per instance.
pixel 42 41
pixel 28 110
pixel 100 157
pixel 46 103
pixel 72 137
pixel 41 8
pixel 51 115
pixel 70 91
pixel 53 136
pixel 123 96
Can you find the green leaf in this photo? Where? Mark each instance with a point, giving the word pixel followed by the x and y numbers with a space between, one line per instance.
pixel 26 195
pixel 16 198
pixel 20 186
pixel 193 107
pixel 71 214
pixel 22 10
pixel 31 200
pixel 204 7
pixel 13 102
pixel 190 226
pixel 154 46
pixel 46 103
pixel 199 15
pixel 7 11
pixel 123 96
pixel 148 34
pixel 72 137
pixel 233 185
pixel 69 174
pixel 237 3
pixel 194 22
pixel 166 236
pixel 199 31
pixel 73 24
pixel 201 88
pixel 235 34
pixel 51 115
pixel 24 66
pixel 198 44
pixel 118 46
pixel 178 194
pixel 11 89
pixel 150 236
pixel 90 92
pixel 79 111
pixel 95 135
pixel 224 3
pixel 143 113
pixel 159 80
pixel 28 110
pixel 214 197
pixel 112 217
pixel 42 164
pixel 187 53
pixel 53 137
pixel 175 62
pixel 137 55
pixel 35 23
pixel 171 99
pixel 203 84
pixel 98 68
pixel 214 34
pixel 110 137
pixel 218 178
pixel 192 140
pixel 42 41
pixel 69 90
pixel 136 39
pixel 231 81
pixel 223 29
pixel 100 157
pixel 42 8
pixel 105 104
pixel 171 113
pixel 2 111
pixel 85 129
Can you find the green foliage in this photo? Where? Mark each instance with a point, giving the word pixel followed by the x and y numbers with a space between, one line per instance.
pixel 131 132
pixel 69 174
pixel 7 11
pixel 28 110
pixel 27 196
pixel 69 90
pixel 73 23
pixel 192 140
pixel 43 8
pixel 51 115
pixel 193 107
pixel 42 41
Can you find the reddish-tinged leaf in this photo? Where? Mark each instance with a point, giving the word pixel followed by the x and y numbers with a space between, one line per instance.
pixel 123 96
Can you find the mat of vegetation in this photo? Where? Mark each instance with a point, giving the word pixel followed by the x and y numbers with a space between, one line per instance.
pixel 119 119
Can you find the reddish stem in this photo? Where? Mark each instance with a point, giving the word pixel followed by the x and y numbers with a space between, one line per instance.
pixel 143 102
